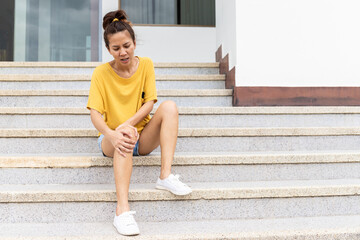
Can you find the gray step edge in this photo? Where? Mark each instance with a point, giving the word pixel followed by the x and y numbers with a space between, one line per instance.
pixel 168 92
pixel 86 161
pixel 83 77
pixel 95 64
pixel 321 228
pixel 192 132
pixel 199 110
pixel 208 191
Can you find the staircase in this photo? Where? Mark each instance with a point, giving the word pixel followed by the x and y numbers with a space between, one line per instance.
pixel 256 172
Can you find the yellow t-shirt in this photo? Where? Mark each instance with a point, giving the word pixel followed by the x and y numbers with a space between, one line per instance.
pixel 117 98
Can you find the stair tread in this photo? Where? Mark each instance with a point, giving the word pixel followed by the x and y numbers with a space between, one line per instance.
pixel 181 158
pixel 323 227
pixel 87 77
pixel 95 64
pixel 201 190
pixel 192 132
pixel 85 93
pixel 197 110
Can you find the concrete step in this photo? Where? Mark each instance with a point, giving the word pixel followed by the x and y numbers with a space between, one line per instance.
pixel 78 98
pixel 77 82
pixel 210 201
pixel 194 167
pixel 305 228
pixel 88 68
pixel 200 117
pixel 190 140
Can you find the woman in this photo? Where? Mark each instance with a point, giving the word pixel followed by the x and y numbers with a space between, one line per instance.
pixel 122 95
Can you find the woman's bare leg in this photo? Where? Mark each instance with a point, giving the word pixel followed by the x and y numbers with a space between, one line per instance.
pixel 122 173
pixel 162 129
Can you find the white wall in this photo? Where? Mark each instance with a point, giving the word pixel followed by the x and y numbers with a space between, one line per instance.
pixel 298 43
pixel 174 44
pixel 226 29
pixel 169 43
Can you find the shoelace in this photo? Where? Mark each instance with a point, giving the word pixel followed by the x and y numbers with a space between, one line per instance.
pixel 176 180
pixel 128 218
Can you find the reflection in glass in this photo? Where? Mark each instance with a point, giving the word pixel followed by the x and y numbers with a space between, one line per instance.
pixel 182 12
pixel 56 30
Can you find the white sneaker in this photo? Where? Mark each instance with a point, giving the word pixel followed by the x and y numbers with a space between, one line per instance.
pixel 174 185
pixel 125 224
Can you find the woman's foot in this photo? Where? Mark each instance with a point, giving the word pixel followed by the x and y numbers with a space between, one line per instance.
pixel 174 185
pixel 125 224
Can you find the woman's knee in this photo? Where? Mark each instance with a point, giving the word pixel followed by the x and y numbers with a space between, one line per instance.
pixel 129 131
pixel 169 107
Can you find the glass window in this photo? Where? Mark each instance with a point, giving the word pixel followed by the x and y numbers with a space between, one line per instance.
pixel 171 12
pixel 6 30
pixel 49 30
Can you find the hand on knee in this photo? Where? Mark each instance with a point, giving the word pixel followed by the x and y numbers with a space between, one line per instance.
pixel 128 131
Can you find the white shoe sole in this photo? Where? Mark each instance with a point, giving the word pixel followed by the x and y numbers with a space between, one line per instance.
pixel 176 193
pixel 126 234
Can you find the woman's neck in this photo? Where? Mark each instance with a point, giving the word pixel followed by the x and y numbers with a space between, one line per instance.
pixel 125 71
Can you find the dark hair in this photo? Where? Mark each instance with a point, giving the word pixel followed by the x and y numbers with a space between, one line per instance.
pixel 111 27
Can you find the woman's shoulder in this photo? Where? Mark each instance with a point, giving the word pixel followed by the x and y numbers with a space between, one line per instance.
pixel 101 69
pixel 146 61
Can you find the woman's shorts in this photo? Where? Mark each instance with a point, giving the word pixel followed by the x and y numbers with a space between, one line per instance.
pixel 135 151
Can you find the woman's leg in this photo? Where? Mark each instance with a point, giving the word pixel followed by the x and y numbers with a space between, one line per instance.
pixel 122 173
pixel 162 129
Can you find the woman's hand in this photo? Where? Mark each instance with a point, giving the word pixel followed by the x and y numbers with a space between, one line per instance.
pixel 122 141
pixel 132 132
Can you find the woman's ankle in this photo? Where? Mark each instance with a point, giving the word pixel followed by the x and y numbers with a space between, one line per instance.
pixel 121 209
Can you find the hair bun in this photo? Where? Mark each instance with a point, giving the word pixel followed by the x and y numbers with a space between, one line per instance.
pixel 120 15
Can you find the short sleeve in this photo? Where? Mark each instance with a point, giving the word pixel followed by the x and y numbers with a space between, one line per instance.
pixel 150 84
pixel 95 100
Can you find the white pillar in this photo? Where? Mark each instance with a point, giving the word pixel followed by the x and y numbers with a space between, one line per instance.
pixel 20 30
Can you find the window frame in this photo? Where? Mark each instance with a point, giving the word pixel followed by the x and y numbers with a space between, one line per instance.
pixel 166 25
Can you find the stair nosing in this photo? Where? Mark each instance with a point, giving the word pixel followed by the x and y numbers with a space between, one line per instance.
pixel 201 191
pixel 85 93
pixel 181 160
pixel 322 227
pixel 197 110
pixel 87 78
pixel 190 132
pixel 95 64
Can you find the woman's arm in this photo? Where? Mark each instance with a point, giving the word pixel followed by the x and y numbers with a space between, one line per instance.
pixel 139 115
pixel 118 139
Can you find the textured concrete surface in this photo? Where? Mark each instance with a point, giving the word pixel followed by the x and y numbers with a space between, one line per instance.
pixel 189 210
pixel 160 85
pixel 180 159
pixel 248 192
pixel 207 110
pixel 187 144
pixel 80 101
pixel 205 190
pixel 193 132
pixel 192 173
pixel 160 93
pixel 188 121
pixel 306 228
pixel 94 64
pixel 45 121
pixel 89 71
pixel 20 78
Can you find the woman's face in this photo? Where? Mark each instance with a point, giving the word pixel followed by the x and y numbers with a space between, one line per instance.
pixel 122 47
